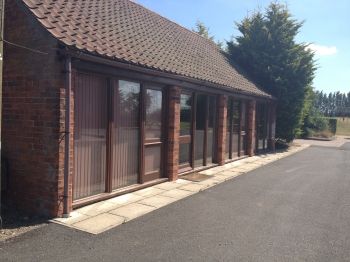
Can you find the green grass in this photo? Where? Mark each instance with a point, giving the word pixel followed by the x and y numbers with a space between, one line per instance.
pixel 343 126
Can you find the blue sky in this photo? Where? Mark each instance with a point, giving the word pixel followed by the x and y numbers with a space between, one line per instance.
pixel 326 26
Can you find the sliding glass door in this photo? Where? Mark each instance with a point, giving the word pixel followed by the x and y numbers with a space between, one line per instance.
pixel 90 135
pixel 125 133
pixel 197 130
pixel 261 127
pixel 118 135
pixel 153 138
pixel 185 150
pixel 236 128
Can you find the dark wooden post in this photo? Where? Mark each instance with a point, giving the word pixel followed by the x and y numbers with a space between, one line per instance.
pixel 222 122
pixel 173 132
pixel 251 128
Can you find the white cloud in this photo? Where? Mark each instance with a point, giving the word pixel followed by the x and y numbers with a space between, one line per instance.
pixel 323 50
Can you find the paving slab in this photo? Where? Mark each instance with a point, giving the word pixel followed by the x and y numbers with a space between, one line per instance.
pixel 193 187
pixel 182 181
pixel 100 223
pixel 177 193
pixel 98 208
pixel 73 218
pixel 168 185
pixel 150 191
pixel 210 182
pixel 158 201
pixel 231 174
pixel 125 199
pixel 219 178
pixel 132 211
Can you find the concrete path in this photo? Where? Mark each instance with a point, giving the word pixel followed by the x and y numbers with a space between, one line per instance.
pixel 294 209
pixel 105 215
pixel 337 142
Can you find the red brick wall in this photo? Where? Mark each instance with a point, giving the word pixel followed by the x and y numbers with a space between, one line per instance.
pixel 222 122
pixel 33 116
pixel 173 118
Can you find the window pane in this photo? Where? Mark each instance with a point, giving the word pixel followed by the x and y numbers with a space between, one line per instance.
pixel 152 158
pixel 153 123
pixel 228 127
pixel 236 124
pixel 211 130
pixel 201 108
pixel 126 143
pixel 184 154
pixel 261 125
pixel 244 127
pixel 185 114
pixel 89 135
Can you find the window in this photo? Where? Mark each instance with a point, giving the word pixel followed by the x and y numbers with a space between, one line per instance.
pixel 236 128
pixel 185 130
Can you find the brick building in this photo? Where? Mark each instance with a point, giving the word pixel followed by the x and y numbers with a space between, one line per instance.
pixel 106 97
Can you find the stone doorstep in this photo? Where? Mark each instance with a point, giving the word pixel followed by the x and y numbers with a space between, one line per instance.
pixel 102 216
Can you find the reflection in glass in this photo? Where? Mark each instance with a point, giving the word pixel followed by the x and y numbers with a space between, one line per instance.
pixel 201 108
pixel 89 135
pixel 211 130
pixel 261 120
pixel 152 158
pixel 184 154
pixel 153 123
pixel 243 128
pixel 185 114
pixel 236 124
pixel 125 143
pixel 228 128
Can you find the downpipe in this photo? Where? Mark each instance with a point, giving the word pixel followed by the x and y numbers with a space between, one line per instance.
pixel 68 71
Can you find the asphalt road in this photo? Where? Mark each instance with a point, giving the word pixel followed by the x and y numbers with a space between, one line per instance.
pixel 296 209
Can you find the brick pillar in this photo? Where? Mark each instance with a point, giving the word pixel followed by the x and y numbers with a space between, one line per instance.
pixel 173 118
pixel 222 122
pixel 272 126
pixel 251 135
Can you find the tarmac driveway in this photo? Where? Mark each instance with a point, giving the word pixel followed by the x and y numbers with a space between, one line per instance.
pixel 295 209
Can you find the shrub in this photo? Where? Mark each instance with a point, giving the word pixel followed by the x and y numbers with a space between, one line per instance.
pixel 332 125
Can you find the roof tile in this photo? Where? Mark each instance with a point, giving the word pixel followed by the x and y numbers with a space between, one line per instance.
pixel 128 32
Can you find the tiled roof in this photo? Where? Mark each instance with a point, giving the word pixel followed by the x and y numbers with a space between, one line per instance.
pixel 125 31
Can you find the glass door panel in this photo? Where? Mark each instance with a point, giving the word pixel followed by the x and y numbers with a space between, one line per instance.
pixel 243 145
pixel 185 131
pixel 201 118
pixel 90 135
pixel 260 126
pixel 126 134
pixel 211 129
pixel 153 102
pixel 235 128
pixel 229 129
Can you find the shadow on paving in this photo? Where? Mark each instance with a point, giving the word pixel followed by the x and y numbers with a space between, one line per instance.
pixel 295 209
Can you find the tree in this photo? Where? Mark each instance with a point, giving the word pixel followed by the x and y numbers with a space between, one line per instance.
pixel 202 30
pixel 333 104
pixel 268 52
